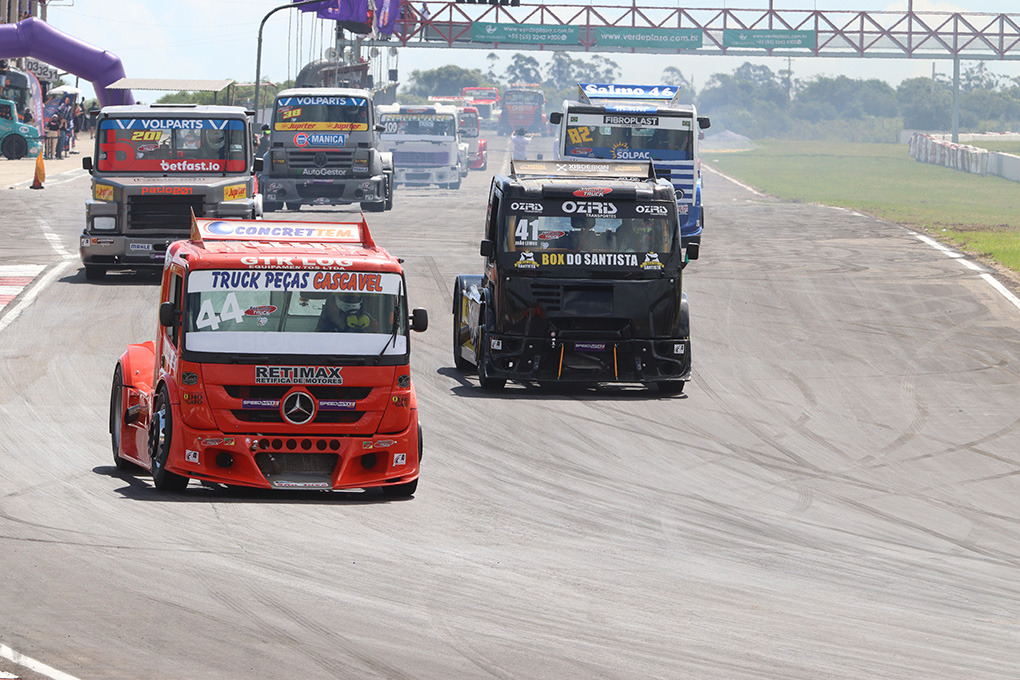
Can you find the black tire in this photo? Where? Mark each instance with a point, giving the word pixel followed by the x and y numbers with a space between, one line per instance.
pixel 671 386
pixel 14 147
pixel 160 438
pixel 373 207
pixel 407 489
pixel 485 381
pixel 459 362
pixel 291 205
pixel 485 163
pixel 389 193
pixel 117 419
pixel 94 272
pixel 454 185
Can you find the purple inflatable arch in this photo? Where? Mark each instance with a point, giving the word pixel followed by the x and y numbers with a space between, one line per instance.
pixel 35 38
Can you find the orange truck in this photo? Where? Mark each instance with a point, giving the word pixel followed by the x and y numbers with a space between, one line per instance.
pixel 281 361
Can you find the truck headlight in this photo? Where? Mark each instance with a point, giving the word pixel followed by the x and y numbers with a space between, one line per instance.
pixel 104 223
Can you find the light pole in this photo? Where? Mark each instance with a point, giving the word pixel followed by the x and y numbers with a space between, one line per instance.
pixel 258 55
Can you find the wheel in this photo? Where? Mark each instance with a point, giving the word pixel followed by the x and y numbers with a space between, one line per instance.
pixel 291 205
pixel 485 381
pixel 405 490
pixel 14 147
pixel 117 420
pixel 671 386
pixel 461 364
pixel 160 438
pixel 94 272
pixel 373 207
pixel 453 185
pixel 485 163
pixel 389 193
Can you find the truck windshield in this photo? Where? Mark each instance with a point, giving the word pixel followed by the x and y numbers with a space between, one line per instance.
pixel 348 114
pixel 629 143
pixel 582 233
pixel 469 124
pixel 534 97
pixel 172 145
pixel 295 312
pixel 432 124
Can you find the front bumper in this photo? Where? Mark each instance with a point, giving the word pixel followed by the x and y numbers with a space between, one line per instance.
pixel 424 176
pixel 331 191
pixel 296 461
pixel 587 359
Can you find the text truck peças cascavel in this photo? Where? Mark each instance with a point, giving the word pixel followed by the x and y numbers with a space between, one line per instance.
pixel 281 360
pixel 154 166
pixel 582 280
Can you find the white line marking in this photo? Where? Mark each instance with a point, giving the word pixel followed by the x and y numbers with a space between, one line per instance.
pixel 962 259
pixel 33 665
pixel 21 269
pixel 33 292
pixel 737 182
pixel 54 240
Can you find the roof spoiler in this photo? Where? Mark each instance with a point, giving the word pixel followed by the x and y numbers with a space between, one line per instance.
pixel 270 231
pixel 586 92
pixel 581 169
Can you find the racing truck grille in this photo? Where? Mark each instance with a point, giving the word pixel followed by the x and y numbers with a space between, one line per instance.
pixel 272 415
pixel 420 159
pixel 343 158
pixel 269 412
pixel 163 213
pixel 548 296
pixel 275 463
pixel 277 391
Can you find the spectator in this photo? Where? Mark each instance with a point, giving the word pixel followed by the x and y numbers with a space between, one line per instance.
pixel 424 20
pixel 61 136
pixel 519 141
pixel 52 136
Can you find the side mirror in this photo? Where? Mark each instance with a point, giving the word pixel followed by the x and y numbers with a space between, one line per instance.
pixel 419 320
pixel 86 163
pixel 379 128
pixel 257 164
pixel 167 314
pixel 486 249
pixel 704 123
pixel 692 250
pixel 555 117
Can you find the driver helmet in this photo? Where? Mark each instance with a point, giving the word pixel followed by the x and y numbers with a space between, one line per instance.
pixel 348 303
pixel 214 138
pixel 643 225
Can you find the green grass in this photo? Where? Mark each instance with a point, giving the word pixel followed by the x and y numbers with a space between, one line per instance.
pixel 1002 147
pixel 978 214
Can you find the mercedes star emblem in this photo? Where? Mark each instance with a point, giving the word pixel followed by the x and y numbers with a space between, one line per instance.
pixel 298 408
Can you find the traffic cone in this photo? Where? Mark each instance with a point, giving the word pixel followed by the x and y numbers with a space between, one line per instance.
pixel 40 173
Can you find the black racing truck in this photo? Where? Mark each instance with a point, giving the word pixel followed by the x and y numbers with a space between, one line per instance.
pixel 154 167
pixel 582 280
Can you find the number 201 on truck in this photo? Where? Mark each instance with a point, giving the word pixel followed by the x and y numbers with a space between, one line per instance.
pixel 281 361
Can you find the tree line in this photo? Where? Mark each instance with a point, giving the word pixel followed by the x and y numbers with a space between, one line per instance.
pixel 757 102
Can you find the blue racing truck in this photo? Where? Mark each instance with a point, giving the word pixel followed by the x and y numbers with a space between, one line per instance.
pixel 640 123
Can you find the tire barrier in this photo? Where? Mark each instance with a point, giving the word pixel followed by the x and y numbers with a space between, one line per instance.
pixel 963 157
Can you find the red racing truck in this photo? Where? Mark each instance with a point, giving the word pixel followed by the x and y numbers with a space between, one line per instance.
pixel 281 360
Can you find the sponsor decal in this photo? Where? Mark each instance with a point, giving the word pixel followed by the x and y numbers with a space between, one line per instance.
pixel 590 259
pixel 524 206
pixel 399 459
pixel 283 484
pixel 595 208
pixel 189 166
pixel 322 127
pixel 592 192
pixel 573 119
pixel 303 139
pixel 175 124
pixel 320 101
pixel 298 375
pixel 589 346
pixel 527 261
pixel 401 402
pixel 263 310
pixel 587 168
pixel 651 261
pixel 260 403
pixel 623 153
pixel 403 380
pixel 189 378
pixel 651 209
pixel 217 441
pixel 169 191
pixel 636 121
pixel 551 235
pixel 678 348
pixel 191 456
pixel 367 445
pixel 140 246
pixel 103 192
pixel 348 281
pixel 384 443
pixel 337 405
pixel 193 398
pixel 147 148
pixel 242 230
pixel 324 172
pixel 291 113
pixel 496 344
pixel 98 241
pixel 581 151
pixel 628 91
pixel 235 192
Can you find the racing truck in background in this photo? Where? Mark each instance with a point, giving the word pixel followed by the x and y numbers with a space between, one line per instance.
pixel 425 144
pixel 154 166
pixel 523 106
pixel 281 361
pixel 640 123
pixel 323 151
pixel 582 280
pixel 471 134
pixel 485 99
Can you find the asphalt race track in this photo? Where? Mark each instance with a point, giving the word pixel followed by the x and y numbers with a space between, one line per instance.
pixel 837 495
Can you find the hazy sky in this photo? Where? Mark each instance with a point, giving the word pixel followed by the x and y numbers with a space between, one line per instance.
pixel 217 39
